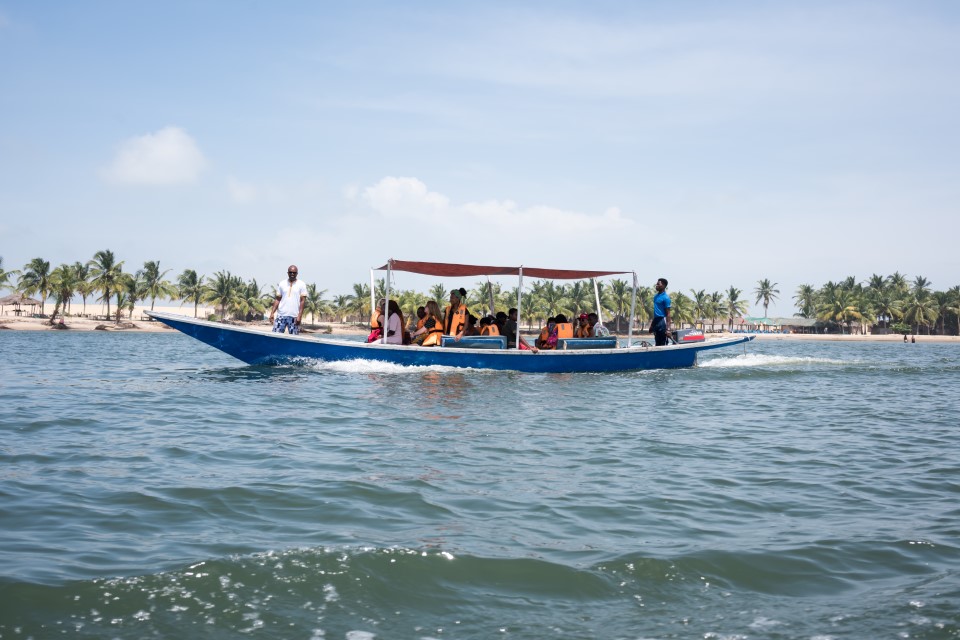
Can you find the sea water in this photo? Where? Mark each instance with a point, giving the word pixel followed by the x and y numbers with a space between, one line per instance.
pixel 151 486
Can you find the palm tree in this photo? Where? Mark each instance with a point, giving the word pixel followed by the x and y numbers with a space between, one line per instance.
pixel 105 275
pixel 5 276
pixel 734 306
pixel 81 271
pixel 249 300
pixel 886 306
pixel 806 300
pixel 920 310
pixel 716 308
pixel 644 304
pixel 380 288
pixel 154 285
pixel 579 295
pixel 954 306
pixel 130 290
pixel 620 293
pixel 942 300
pixel 190 288
pixel 439 294
pixel 341 306
pixel 701 302
pixel 681 311
pixel 360 301
pixel 898 282
pixel 63 284
pixel 315 303
pixel 221 291
pixel 921 286
pixel 877 283
pixel 36 279
pixel 766 292
pixel 554 298
pixel 838 304
pixel 484 293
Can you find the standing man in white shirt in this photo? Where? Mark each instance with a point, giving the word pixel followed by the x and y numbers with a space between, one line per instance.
pixel 291 298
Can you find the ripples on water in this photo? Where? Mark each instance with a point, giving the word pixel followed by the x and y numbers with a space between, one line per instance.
pixel 152 486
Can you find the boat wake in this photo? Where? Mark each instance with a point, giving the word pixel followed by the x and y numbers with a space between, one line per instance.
pixel 762 360
pixel 374 366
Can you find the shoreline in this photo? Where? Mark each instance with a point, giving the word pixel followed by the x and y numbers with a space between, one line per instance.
pixel 39 325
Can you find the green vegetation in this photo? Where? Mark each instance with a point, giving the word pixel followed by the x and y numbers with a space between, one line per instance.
pixel 890 302
pixel 893 303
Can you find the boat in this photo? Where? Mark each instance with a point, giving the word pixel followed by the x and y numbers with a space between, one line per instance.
pixel 601 354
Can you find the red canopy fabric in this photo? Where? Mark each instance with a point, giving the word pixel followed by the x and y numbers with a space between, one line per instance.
pixel 446 269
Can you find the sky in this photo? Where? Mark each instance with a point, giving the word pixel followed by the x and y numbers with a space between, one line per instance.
pixel 714 144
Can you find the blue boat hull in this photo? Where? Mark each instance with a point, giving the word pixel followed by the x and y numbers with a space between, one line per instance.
pixel 258 347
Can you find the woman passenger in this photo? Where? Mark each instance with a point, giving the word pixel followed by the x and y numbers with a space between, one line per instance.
pixel 455 315
pixel 394 323
pixel 432 328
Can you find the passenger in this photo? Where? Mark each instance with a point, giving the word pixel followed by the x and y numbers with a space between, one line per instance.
pixel 584 329
pixel 564 328
pixel 414 328
pixel 510 328
pixel 550 330
pixel 488 326
pixel 430 334
pixel 376 324
pixel 501 321
pixel 455 315
pixel 471 329
pixel 421 316
pixel 394 323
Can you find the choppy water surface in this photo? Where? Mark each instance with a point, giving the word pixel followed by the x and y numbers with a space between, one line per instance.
pixel 153 487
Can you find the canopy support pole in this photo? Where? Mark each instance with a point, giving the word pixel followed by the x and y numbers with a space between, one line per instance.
pixel 385 319
pixel 373 300
pixel 519 298
pixel 633 309
pixel 490 291
pixel 596 294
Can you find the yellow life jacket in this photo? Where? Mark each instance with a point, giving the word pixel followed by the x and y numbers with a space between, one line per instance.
pixel 489 330
pixel 454 322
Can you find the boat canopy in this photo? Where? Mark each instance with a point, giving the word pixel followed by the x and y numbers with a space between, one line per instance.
pixel 446 269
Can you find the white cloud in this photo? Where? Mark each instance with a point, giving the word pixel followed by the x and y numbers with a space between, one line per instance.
pixel 166 157
pixel 405 197
pixel 241 192
pixel 409 198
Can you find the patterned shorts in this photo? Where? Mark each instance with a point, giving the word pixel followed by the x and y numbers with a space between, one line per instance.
pixel 286 322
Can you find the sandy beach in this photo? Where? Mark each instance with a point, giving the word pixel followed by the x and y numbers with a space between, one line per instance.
pixel 141 324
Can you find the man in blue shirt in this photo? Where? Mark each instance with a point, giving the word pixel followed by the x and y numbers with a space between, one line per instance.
pixel 661 313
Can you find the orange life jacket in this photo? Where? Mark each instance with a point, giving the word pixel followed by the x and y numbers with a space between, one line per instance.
pixel 434 336
pixel 489 330
pixel 454 322
pixel 420 322
pixel 585 331
pixel 564 330
pixel 542 341
pixel 375 319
